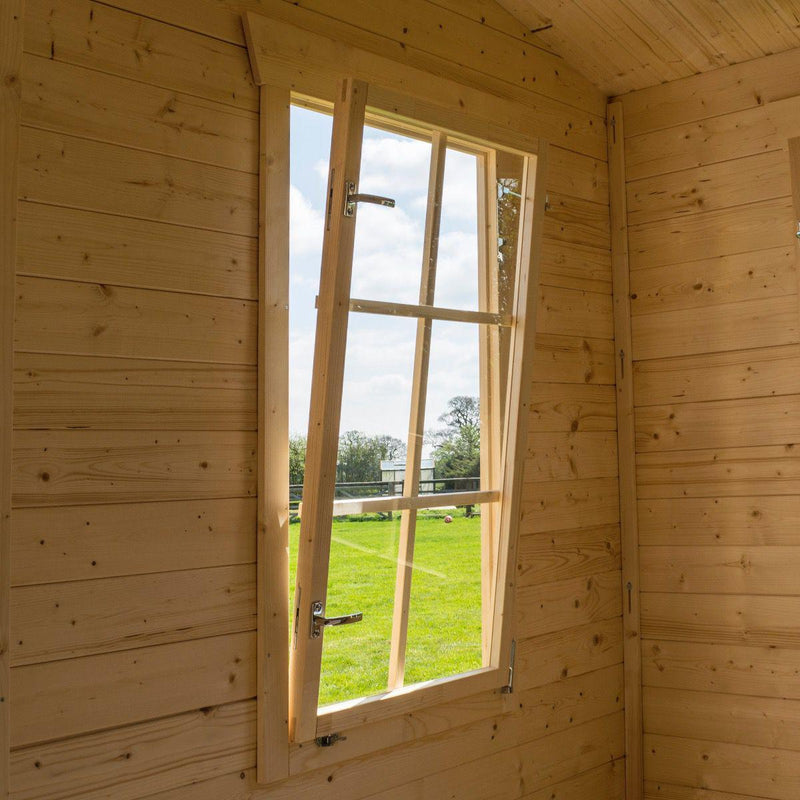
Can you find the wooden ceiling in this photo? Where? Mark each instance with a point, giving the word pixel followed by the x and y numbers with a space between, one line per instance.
pixel 622 45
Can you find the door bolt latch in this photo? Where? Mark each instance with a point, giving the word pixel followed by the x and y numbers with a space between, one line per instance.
pixel 351 198
pixel 320 621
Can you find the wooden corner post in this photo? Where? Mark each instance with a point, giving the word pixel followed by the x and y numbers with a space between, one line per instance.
pixel 629 528
pixel 11 14
pixel 273 436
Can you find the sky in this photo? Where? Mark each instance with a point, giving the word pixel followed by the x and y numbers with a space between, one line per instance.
pixel 386 266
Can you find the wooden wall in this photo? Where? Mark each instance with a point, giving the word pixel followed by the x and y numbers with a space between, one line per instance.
pixel 716 339
pixel 133 600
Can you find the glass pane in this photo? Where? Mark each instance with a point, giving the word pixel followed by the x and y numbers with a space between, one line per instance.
pixel 509 188
pixel 457 272
pixel 355 658
pixel 444 631
pixel 444 626
pixel 387 263
pixel 371 462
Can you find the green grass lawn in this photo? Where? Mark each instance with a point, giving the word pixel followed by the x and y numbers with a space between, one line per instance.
pixel 444 631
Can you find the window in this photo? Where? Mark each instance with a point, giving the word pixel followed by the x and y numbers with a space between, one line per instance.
pixel 497 323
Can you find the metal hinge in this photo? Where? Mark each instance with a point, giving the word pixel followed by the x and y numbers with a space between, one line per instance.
pixel 320 621
pixel 329 740
pixel 351 198
pixel 509 687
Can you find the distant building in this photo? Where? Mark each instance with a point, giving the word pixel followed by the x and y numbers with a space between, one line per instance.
pixel 395 470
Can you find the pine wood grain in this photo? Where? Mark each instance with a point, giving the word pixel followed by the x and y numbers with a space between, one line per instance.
pixel 79 467
pixel 11 33
pixel 733 669
pixel 570 456
pixel 547 608
pixel 68 620
pixel 83 102
pixel 760 372
pixel 722 618
pixel 734 471
pixel 80 245
pixel 565 407
pixel 66 698
pixel 558 505
pixel 68 171
pixel 97 319
pixel 573 359
pixel 709 282
pixel 77 543
pixel 106 39
pixel 744 521
pixel 68 392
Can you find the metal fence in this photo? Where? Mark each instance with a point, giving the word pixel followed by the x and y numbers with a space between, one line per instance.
pixel 387 489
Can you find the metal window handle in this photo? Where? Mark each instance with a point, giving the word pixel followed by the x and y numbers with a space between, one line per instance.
pixel 320 621
pixel 351 198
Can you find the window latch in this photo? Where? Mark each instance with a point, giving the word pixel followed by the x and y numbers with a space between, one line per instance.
pixel 351 198
pixel 320 621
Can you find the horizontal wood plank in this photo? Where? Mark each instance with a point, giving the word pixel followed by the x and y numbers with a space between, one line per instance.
pixel 743 229
pixel 98 319
pixel 551 607
pixel 709 187
pixel 68 392
pixel 575 266
pixel 95 105
pixel 564 555
pixel 721 138
pixel 564 456
pixel 575 651
pixel 64 170
pixel 747 373
pixel 722 618
pixel 80 245
pixel 721 569
pixel 573 359
pixel 570 407
pixel 736 88
pixel 703 521
pixel 758 721
pixel 725 423
pixel 110 40
pixel 751 771
pixel 81 695
pixel 734 472
pixel 67 620
pixel 56 468
pixel 139 759
pixel 567 312
pixel 558 505
pixel 734 326
pixel 76 543
pixel 714 281
pixel 570 219
pixel 732 669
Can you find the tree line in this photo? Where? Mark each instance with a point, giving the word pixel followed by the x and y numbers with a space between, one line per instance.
pixel 455 447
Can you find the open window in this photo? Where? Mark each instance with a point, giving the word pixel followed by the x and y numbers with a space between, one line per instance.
pixel 502 346
pixel 490 314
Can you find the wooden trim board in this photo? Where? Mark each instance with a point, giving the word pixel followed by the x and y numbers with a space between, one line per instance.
pixel 626 440
pixel 11 20
pixel 273 436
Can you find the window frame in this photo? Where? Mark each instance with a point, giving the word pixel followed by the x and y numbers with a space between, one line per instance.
pixel 278 755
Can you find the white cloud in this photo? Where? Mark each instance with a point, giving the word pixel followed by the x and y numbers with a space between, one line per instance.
pixel 306 228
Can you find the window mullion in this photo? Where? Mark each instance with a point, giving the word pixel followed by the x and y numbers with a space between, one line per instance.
pixel 491 387
pixel 416 425
pixel 325 411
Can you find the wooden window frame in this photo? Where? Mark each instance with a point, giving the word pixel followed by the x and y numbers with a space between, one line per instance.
pixel 282 82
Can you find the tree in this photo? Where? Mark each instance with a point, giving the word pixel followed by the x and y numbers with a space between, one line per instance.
pixel 297 459
pixel 457 448
pixel 360 456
